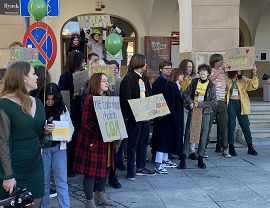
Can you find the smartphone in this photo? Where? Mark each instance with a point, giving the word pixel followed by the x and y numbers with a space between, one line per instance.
pixel 50 120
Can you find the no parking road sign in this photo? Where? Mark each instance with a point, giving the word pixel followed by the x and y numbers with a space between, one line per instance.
pixel 40 36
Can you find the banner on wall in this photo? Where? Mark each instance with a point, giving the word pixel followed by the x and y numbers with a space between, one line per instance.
pixel 157 49
pixel 148 108
pixel 241 58
pixel 9 7
pixel 94 21
pixel 110 118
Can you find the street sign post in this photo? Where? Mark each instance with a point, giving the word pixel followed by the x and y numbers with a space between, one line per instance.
pixel 53 8
pixel 40 36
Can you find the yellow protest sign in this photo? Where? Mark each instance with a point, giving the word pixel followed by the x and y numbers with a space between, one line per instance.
pixel 148 108
pixel 61 131
pixel 106 70
pixel 241 58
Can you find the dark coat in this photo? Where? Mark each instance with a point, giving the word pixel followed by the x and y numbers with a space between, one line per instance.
pixel 91 153
pixel 157 88
pixel 130 89
pixel 169 129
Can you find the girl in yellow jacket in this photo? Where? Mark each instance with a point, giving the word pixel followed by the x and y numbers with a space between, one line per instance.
pixel 239 106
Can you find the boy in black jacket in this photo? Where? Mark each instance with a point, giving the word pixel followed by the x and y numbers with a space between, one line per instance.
pixel 135 85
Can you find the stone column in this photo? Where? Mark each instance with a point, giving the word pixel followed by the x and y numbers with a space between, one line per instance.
pixel 215 24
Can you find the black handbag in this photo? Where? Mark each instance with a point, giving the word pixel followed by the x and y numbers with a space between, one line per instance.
pixel 20 197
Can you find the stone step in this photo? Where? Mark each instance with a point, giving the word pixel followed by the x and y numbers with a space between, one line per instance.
pixel 259 123
pixel 260 132
pixel 259 116
pixel 260 106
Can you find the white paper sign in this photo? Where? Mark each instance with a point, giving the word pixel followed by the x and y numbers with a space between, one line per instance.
pixel 110 118
pixel 148 108
pixel 62 131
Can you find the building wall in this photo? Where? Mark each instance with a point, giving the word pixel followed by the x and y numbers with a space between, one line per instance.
pixel 262 38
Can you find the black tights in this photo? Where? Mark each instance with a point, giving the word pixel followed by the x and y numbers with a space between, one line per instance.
pixel 91 183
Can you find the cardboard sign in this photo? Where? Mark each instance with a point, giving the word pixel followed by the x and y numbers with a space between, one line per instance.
pixel 79 80
pixel 110 118
pixel 106 70
pixel 196 124
pixel 23 54
pixel 242 58
pixel 62 131
pixel 94 21
pixel 148 108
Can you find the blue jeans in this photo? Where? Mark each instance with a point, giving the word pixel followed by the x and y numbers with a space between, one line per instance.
pixel 55 162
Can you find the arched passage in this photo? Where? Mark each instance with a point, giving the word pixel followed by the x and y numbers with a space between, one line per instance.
pixel 244 34
pixel 130 40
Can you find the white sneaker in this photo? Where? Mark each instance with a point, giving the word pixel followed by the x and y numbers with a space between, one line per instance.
pixel 226 153
pixel 160 168
pixel 169 164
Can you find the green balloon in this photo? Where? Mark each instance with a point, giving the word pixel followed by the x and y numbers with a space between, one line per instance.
pixel 113 43
pixel 37 9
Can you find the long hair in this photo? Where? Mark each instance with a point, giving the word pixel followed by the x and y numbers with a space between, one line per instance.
pixel 59 105
pixel 94 84
pixel 183 65
pixel 174 75
pixel 74 62
pixel 14 83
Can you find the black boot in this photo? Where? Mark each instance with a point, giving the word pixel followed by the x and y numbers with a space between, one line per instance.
pixel 201 163
pixel 182 164
pixel 251 150
pixel 218 148
pixel 232 150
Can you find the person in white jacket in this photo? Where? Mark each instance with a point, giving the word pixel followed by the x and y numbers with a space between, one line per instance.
pixel 54 152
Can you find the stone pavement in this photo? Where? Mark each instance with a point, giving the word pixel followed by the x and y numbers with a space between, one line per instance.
pixel 242 181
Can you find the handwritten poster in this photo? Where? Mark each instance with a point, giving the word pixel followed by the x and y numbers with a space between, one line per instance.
pixel 196 124
pixel 148 108
pixel 94 21
pixel 110 118
pixel 62 131
pixel 106 70
pixel 23 54
pixel 242 58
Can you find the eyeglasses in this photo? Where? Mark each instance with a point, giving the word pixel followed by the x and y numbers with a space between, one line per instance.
pixel 167 68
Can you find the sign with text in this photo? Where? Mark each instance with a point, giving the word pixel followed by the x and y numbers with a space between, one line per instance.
pixel 110 118
pixel 62 131
pixel 242 58
pixel 23 54
pixel 196 125
pixel 94 21
pixel 9 7
pixel 106 70
pixel 148 108
pixel 157 49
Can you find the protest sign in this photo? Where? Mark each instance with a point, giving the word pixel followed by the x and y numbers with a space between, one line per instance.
pixel 23 54
pixel 242 58
pixel 79 80
pixel 148 108
pixel 110 118
pixel 196 124
pixel 94 21
pixel 106 70
pixel 61 131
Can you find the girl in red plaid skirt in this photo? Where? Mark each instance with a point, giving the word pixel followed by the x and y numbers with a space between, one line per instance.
pixel 92 156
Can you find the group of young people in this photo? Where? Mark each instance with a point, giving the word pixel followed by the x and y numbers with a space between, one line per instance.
pixel 221 94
